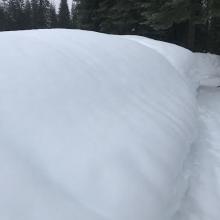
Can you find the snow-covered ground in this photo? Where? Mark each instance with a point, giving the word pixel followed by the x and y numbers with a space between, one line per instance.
pixel 102 127
pixel 202 200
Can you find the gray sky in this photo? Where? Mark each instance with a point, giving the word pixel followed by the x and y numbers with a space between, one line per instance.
pixel 57 2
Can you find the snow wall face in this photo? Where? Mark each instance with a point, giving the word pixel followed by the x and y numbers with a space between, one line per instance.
pixel 206 70
pixel 93 126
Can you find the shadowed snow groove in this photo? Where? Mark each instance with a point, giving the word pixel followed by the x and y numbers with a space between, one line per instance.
pixel 202 201
pixel 202 197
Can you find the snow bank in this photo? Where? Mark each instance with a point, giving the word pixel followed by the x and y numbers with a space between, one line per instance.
pixel 182 59
pixel 203 196
pixel 206 70
pixel 92 127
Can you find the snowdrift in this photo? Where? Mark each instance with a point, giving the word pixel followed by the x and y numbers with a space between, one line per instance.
pixel 203 196
pixel 92 127
pixel 181 58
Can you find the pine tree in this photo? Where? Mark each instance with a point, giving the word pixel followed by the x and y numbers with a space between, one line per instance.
pixel 27 15
pixel 3 17
pixel 64 15
pixel 87 14
pixel 43 13
pixel 107 11
pixel 53 16
pixel 73 15
pixel 121 17
pixel 34 13
pixel 15 12
pixel 213 25
pixel 164 14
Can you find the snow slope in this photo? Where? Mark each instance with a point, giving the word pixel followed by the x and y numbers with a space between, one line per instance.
pixel 202 200
pixel 95 127
pixel 181 58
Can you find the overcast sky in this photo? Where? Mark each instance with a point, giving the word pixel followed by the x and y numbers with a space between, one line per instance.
pixel 57 3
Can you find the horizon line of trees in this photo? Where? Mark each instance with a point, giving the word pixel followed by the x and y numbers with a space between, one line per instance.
pixel 34 14
pixel 194 24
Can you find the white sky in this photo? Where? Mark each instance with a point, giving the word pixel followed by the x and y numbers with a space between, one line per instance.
pixel 57 3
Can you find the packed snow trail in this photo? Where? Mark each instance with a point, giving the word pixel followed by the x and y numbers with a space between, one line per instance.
pixel 202 200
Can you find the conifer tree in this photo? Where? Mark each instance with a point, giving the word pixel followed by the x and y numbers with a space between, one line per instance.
pixel 15 13
pixel 163 14
pixel 120 16
pixel 213 25
pixel 43 14
pixel 53 16
pixel 87 14
pixel 3 18
pixel 27 15
pixel 73 15
pixel 64 15
pixel 34 13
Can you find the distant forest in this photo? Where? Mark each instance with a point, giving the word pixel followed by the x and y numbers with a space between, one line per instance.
pixel 194 24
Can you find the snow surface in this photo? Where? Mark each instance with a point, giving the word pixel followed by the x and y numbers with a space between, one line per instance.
pixel 102 127
pixel 202 201
pixel 206 70
pixel 182 59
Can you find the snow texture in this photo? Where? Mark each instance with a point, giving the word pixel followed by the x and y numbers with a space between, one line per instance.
pixel 103 127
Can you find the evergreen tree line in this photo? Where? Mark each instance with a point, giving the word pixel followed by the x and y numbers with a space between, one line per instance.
pixel 33 14
pixel 194 24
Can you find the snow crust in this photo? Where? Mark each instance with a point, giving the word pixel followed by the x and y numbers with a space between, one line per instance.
pixel 96 127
